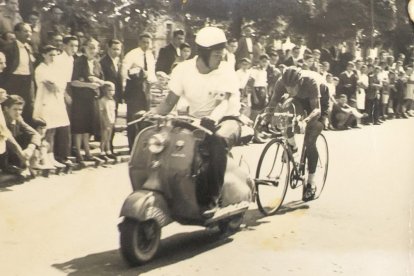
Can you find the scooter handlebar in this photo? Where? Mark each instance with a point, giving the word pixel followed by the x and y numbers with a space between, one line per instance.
pixel 194 122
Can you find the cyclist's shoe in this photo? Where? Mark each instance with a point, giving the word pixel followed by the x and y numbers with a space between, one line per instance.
pixel 294 150
pixel 309 192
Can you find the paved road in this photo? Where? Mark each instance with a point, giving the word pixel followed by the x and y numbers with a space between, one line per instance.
pixel 359 226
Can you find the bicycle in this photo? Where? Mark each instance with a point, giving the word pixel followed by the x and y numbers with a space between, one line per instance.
pixel 273 174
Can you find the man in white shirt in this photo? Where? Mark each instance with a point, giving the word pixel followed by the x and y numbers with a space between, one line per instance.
pixel 138 71
pixel 211 88
pixel 66 58
pixel 65 62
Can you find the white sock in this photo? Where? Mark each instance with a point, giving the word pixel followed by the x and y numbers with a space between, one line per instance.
pixel 311 178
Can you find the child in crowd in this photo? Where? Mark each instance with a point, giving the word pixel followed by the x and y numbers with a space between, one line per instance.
pixel 41 159
pixel 400 91
pixel 107 106
pixel 343 115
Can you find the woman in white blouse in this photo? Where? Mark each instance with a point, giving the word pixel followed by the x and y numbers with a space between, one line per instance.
pixel 50 105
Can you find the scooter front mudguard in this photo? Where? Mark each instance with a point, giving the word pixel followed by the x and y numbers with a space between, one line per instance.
pixel 144 205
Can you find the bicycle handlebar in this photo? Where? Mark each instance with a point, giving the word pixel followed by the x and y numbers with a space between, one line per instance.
pixel 284 114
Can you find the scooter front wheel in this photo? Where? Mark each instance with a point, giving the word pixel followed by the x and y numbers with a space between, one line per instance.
pixel 139 240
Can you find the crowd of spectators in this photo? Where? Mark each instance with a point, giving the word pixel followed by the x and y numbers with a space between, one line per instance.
pixel 365 91
pixel 59 90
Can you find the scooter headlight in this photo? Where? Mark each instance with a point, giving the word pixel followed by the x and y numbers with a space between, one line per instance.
pixel 156 143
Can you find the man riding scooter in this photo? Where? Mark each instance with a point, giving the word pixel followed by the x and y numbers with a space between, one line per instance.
pixel 210 87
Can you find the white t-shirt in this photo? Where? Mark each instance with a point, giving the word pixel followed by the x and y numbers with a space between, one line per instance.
pixel 260 77
pixel 202 91
pixel 65 65
pixel 244 77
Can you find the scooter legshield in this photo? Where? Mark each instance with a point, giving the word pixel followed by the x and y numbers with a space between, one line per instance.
pixel 140 160
pixel 144 205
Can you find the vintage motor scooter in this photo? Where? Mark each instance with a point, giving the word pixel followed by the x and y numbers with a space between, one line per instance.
pixel 167 160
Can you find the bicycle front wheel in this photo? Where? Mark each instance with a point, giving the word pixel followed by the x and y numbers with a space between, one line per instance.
pixel 272 177
pixel 322 166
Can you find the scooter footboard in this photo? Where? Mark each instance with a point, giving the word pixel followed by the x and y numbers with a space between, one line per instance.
pixel 144 205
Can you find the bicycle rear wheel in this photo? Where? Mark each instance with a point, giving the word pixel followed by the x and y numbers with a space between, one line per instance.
pixel 272 177
pixel 322 166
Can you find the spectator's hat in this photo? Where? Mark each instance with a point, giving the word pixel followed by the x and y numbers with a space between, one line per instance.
pixel 350 63
pixel 316 51
pixel 273 52
pixel 184 45
pixel 145 35
pixel 307 52
pixel 264 56
pixel 247 60
pixel 48 48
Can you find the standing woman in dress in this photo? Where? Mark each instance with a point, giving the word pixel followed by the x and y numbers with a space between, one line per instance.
pixel 50 106
pixel 87 78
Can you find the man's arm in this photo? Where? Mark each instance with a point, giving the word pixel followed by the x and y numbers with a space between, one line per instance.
pixel 35 138
pixel 278 91
pixel 168 104
pixel 220 110
pixel 315 105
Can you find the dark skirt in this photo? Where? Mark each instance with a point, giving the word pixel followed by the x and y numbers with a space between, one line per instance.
pixel 85 111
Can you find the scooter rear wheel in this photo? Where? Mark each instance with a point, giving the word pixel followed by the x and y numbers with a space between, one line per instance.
pixel 139 240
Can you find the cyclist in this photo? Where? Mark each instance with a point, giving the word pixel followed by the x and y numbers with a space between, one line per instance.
pixel 210 87
pixel 310 97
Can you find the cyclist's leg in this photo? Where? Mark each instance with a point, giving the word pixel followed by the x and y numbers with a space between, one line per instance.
pixel 293 106
pixel 313 129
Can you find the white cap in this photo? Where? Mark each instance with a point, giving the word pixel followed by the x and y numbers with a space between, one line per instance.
pixel 210 36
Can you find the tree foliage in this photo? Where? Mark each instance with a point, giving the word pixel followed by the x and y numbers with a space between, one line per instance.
pixel 330 20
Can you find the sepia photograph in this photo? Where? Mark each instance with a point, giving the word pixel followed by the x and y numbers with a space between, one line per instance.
pixel 207 137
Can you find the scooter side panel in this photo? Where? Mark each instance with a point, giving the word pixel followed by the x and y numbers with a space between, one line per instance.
pixel 144 205
pixel 140 160
pixel 178 170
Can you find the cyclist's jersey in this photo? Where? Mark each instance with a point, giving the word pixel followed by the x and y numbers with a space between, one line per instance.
pixel 311 86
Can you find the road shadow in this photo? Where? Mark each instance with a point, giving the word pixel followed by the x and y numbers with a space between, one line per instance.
pixel 292 207
pixel 173 249
pixel 9 180
pixel 254 217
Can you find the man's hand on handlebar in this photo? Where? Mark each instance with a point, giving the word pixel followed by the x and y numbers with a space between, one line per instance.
pixel 302 123
pixel 208 123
